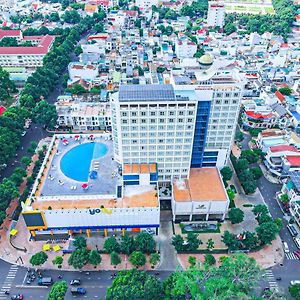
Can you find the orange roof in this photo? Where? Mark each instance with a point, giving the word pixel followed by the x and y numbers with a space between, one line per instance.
pixel 135 168
pixel 293 160
pixel 279 96
pixel 139 168
pixel 271 132
pixel 280 148
pixel 204 184
pixel 144 168
pixel 153 168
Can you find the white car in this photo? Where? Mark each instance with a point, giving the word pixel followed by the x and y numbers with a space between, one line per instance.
pixel 293 282
pixel 23 133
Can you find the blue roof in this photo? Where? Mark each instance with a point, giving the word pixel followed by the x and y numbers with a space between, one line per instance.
pixel 296 115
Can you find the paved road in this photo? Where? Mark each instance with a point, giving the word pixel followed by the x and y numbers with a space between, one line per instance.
pixel 34 133
pixel 96 282
pixel 290 269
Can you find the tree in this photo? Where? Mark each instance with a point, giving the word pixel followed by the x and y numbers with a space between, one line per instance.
pixel 279 223
pixel 78 50
pixel 127 244
pixel 229 28
pixel 210 244
pixel 79 258
pixel 230 241
pixel 251 240
pixel 241 165
pixel 39 258
pixel 226 173
pixel 160 69
pixel 257 172
pixel 295 291
pixel 94 258
pixel 71 16
pixel 26 161
pixel 7 87
pixel 58 291
pixel 209 259
pixel 285 91
pixel 111 245
pixel 45 114
pixel 177 242
pixel 264 219
pixel 115 259
pixel 154 259
pixel 77 89
pixel 192 261
pixel 267 232
pixel 137 258
pixel 79 242
pixel 236 215
pixel 251 156
pixel 231 196
pixel 133 284
pixel 284 199
pixel 193 241
pixel 144 242
pixel 260 209
pixel 57 261
pixel 8 42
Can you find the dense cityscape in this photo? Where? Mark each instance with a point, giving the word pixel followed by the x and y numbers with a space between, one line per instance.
pixel 150 149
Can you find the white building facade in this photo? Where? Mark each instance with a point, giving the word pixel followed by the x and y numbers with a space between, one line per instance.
pixel 216 14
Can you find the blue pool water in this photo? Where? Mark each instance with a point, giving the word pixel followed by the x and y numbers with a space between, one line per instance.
pixel 76 163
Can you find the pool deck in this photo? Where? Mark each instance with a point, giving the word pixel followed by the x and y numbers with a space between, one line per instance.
pixel 55 183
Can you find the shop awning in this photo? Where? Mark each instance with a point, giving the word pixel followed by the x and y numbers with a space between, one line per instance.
pixel 46 247
pixel 56 248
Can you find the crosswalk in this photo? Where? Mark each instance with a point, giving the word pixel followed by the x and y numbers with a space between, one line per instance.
pixel 271 280
pixel 6 286
pixel 291 255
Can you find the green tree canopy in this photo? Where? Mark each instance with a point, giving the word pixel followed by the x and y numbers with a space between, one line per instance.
pixel 111 245
pixel 58 260
pixel 79 242
pixel 127 244
pixel 58 291
pixel 226 173
pixel 79 258
pixel 144 242
pixel 94 258
pixel 7 87
pixel 115 259
pixel 137 258
pixel 39 258
pixel 236 215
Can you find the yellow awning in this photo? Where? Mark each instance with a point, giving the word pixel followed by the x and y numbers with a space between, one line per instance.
pixel 56 248
pixel 13 232
pixel 46 247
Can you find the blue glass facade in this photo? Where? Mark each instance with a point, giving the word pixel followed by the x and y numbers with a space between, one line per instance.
pixel 202 118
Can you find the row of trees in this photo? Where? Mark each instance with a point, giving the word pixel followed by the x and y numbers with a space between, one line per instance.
pixel 191 244
pixel 235 279
pixel 143 242
pixel 266 232
pixel 247 175
pixel 280 23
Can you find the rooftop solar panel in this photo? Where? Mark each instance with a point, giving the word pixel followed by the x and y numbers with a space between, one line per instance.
pixel 147 92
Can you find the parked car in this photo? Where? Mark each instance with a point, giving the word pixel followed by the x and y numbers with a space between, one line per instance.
pixel 297 242
pixel 78 291
pixel 23 133
pixel 150 231
pixel 286 247
pixel 17 297
pixel 297 253
pixel 75 282
pixel 293 282
pixel 292 230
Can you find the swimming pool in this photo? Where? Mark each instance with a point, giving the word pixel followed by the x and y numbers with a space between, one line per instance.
pixel 76 163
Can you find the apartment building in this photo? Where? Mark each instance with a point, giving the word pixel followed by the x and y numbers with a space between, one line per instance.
pixel 185 48
pixel 177 127
pixel 216 14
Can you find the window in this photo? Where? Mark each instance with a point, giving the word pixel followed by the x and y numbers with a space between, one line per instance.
pixel 218 101
pixel 143 113
pixel 191 113
pixel 124 114
pixel 124 122
pixel 181 113
pixel 152 113
pixel 133 113
pixel 227 95
pixel 133 121
pixel 180 120
pixel 161 113
pixel 236 94
pixel 162 120
pixel 171 113
pixel 152 120
pixel 171 120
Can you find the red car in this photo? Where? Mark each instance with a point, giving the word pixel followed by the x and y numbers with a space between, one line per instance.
pixel 17 297
pixel 297 253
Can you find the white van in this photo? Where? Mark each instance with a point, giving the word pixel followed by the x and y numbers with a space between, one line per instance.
pixel 297 242
pixel 286 247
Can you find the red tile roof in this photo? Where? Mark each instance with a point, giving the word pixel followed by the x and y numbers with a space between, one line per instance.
pixel 2 110
pixel 280 148
pixel 279 96
pixel 253 115
pixel 9 33
pixel 41 48
pixel 293 160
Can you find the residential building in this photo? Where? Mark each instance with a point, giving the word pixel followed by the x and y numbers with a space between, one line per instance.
pixel 185 48
pixel 146 4
pixel 215 14
pixel 78 114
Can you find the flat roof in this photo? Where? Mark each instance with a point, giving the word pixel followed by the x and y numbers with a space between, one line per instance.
pixel 146 92
pixel 139 168
pixel 204 184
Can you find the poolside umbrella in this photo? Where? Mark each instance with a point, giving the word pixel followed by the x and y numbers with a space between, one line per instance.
pixel 91 136
pixel 77 137
pixel 85 186
pixel 64 140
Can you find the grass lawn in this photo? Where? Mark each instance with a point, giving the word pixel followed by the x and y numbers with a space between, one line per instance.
pixel 269 10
